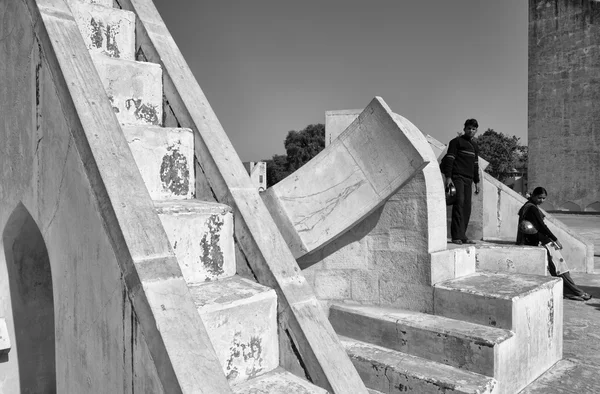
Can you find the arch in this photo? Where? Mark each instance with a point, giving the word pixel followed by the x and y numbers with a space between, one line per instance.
pixel 32 299
pixel 569 206
pixel 593 207
pixel 546 206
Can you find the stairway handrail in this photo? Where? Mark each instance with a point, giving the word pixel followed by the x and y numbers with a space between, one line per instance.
pixel 301 316
pixel 183 355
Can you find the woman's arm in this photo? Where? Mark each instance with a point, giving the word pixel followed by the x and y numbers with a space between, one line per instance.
pixel 538 222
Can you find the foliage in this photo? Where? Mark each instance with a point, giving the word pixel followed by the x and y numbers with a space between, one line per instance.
pixel 504 153
pixel 300 146
pixel 303 145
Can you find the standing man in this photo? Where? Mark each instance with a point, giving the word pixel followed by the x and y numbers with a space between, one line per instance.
pixel 461 168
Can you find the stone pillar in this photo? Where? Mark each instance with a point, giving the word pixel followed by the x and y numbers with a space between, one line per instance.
pixel 564 114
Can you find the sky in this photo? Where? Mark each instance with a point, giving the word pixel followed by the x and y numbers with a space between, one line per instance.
pixel 268 67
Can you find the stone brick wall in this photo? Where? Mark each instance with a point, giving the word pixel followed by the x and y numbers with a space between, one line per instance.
pixel 564 75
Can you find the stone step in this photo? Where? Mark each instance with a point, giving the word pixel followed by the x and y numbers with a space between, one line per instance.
pixel 511 258
pixel 529 305
pixel 241 320
pixel 107 31
pixel 460 344
pixel 165 158
pixel 105 3
pixel 201 234
pixel 134 89
pixel 278 381
pixel 390 371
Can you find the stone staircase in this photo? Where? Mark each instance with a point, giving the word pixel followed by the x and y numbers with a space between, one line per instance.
pixel 240 315
pixel 489 333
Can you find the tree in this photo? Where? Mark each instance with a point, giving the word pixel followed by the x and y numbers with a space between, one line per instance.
pixel 300 146
pixel 303 145
pixel 277 169
pixel 503 153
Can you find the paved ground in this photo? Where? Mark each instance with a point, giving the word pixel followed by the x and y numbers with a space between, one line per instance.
pixel 579 370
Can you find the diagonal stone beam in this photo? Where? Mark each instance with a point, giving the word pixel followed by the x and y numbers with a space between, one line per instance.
pixel 349 179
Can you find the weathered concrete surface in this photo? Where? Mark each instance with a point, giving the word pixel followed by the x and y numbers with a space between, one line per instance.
pixel 106 31
pixel 201 234
pixel 4 338
pixel 385 259
pixel 464 345
pixel 241 319
pixel 133 88
pixel 301 319
pixel 124 320
pixel 579 371
pixel 105 3
pixel 346 181
pixel 501 219
pixel 165 158
pixel 564 66
pixel 278 381
pixel 511 259
pixel 390 371
pixel 453 262
pixel 531 306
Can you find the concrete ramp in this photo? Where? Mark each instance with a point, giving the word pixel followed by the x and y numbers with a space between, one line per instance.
pixel 348 180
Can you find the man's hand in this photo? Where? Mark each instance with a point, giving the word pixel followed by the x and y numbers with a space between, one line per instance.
pixel 477 188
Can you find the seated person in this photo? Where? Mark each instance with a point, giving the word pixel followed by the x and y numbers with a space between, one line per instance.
pixel 556 264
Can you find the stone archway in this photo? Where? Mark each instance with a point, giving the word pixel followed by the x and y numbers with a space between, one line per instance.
pixel 31 294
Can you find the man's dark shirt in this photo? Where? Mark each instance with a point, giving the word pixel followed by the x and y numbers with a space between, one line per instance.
pixel 461 159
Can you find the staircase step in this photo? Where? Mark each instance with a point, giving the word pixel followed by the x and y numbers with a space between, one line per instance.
pixel 165 158
pixel 201 234
pixel 105 3
pixel 390 371
pixel 492 299
pixel 529 305
pixel 241 320
pixel 108 31
pixel 278 381
pixel 460 344
pixel 134 89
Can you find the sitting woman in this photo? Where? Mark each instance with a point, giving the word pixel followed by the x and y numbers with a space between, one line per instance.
pixel 535 233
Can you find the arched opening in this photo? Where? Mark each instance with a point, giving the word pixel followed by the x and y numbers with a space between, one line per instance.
pixel 31 295
pixel 570 206
pixel 546 206
pixel 594 207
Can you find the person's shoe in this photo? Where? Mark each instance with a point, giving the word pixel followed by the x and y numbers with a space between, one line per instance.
pixel 586 296
pixel 573 297
pixel 457 241
pixel 468 241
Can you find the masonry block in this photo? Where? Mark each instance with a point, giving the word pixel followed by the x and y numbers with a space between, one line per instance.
pixel 201 234
pixel 460 344
pixel 4 338
pixel 277 381
pixel 241 320
pixel 106 31
pixel 529 305
pixel 512 259
pixel 105 3
pixel 452 263
pixel 333 285
pixel 365 286
pixel 405 295
pixel 165 158
pixel 134 89
pixel 390 371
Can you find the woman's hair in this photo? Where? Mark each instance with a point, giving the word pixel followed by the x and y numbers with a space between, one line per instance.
pixel 538 191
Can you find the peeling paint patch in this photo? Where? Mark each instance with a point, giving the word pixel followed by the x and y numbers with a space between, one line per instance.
pixel 212 254
pixel 175 172
pixel 112 102
pixel 145 112
pixel 551 317
pixel 251 354
pixel 96 37
pixel 112 48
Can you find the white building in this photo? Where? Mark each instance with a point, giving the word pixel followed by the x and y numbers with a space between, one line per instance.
pixel 258 173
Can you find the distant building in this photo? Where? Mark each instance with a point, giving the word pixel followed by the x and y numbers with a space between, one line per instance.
pixel 258 173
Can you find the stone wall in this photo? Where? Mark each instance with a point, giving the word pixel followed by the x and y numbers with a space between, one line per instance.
pixel 83 258
pixel 564 68
pixel 386 258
